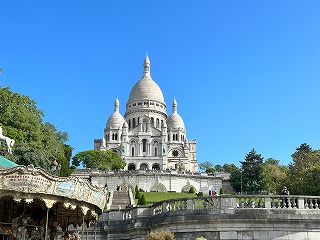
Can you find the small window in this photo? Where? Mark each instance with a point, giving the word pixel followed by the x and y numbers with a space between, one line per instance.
pixel 139 103
pixel 157 104
pixel 134 104
pixel 144 145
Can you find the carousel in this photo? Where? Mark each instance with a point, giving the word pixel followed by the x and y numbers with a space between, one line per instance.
pixel 35 204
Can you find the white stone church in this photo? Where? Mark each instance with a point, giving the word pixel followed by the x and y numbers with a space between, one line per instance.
pixel 146 137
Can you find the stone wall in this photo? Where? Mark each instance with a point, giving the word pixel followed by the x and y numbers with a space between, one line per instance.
pixel 223 218
pixel 162 181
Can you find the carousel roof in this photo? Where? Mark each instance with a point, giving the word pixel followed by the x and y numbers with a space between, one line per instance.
pixel 6 163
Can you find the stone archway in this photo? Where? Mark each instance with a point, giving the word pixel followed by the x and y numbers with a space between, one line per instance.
pixel 158 187
pixel 187 187
pixel 144 166
pixel 131 167
pixel 155 166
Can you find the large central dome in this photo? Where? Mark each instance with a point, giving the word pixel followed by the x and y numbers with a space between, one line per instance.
pixel 146 88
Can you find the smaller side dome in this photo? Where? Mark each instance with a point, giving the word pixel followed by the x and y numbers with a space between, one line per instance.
pixel 116 120
pixel 174 121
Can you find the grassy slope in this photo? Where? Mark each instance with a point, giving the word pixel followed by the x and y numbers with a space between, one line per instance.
pixel 153 197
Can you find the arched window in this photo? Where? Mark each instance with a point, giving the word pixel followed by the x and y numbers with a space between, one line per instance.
pixel 116 136
pixel 143 166
pixel 157 123
pixel 112 136
pixel 129 124
pixel 133 122
pixel 173 137
pixel 161 123
pixel 138 120
pixel 108 137
pixel 152 121
pixel 144 145
pixel 168 137
pixel 132 151
pixel 131 167
pixel 155 166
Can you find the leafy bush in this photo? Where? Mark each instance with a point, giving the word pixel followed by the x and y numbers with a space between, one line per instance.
pixel 192 190
pixel 137 195
pixel 142 200
pixel 221 191
pixel 160 235
pixel 200 194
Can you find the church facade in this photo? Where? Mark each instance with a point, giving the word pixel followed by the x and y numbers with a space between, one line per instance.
pixel 146 137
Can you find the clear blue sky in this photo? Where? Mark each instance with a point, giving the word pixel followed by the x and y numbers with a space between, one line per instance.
pixel 246 74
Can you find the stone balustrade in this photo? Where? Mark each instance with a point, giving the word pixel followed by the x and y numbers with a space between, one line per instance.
pixel 233 217
pixel 221 203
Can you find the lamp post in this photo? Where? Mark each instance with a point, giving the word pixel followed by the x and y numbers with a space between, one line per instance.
pixel 241 181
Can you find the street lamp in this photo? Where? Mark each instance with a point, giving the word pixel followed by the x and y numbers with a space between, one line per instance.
pixel 241 181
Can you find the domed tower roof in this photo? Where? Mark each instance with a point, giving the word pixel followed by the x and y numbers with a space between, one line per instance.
pixel 174 121
pixel 146 88
pixel 116 120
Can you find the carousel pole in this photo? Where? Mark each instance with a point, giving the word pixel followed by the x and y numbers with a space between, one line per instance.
pixel 82 227
pixel 46 230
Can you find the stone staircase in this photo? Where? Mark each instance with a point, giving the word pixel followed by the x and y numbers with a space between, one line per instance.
pixel 120 200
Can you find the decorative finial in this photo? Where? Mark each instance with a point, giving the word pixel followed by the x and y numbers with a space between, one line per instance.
pixel 174 105
pixel 146 66
pixel 116 105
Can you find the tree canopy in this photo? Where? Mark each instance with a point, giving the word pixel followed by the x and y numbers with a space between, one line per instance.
pixel 252 171
pixel 304 171
pixel 96 159
pixel 36 142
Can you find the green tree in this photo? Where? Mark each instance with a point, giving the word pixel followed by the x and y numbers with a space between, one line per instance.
pixel 273 176
pixel 252 171
pixel 192 190
pixel 137 195
pixel 36 142
pixel 229 168
pixel 235 176
pixel 218 168
pixel 303 171
pixel 96 159
pixel 142 200
pixel 205 165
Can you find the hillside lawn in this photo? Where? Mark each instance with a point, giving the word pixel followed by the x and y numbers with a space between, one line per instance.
pixel 153 197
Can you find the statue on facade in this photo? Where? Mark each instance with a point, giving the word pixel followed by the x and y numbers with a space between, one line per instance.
pixel 10 142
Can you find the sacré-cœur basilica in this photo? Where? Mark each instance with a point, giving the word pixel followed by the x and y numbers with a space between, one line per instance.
pixel 146 137
pixel 158 155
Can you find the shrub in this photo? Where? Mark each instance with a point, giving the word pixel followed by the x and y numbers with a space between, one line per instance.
pixel 136 189
pixel 137 195
pixel 192 190
pixel 200 194
pixel 221 191
pixel 142 200
pixel 160 235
